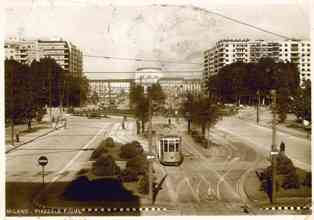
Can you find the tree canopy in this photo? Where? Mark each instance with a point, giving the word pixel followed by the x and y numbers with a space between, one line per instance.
pixel 201 110
pixel 139 101
pixel 28 89
pixel 246 79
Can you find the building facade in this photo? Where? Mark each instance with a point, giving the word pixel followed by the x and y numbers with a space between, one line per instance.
pixel 66 54
pixel 106 87
pixel 228 51
pixel 23 51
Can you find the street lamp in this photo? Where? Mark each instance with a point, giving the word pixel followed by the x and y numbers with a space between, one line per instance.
pixel 274 151
pixel 257 106
pixel 149 81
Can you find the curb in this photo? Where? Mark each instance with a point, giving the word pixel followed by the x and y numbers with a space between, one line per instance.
pixel 31 140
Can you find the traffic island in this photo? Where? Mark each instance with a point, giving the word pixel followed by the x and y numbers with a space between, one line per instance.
pixel 293 186
pixel 115 178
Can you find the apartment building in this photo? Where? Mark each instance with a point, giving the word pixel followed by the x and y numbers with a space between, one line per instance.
pixel 228 51
pixel 66 54
pixel 23 51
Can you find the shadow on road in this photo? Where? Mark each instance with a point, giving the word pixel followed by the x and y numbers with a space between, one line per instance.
pixel 80 193
pixel 158 188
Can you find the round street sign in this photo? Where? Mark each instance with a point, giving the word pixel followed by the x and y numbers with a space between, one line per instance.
pixel 43 160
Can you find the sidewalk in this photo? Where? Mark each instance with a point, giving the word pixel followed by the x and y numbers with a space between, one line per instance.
pixel 249 115
pixel 39 129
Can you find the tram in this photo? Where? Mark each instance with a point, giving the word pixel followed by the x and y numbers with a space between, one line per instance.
pixel 169 148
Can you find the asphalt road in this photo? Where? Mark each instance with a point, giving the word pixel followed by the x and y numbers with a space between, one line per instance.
pixel 209 182
pixel 260 138
pixel 63 148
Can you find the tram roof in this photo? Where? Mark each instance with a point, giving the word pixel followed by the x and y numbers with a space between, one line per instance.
pixel 170 136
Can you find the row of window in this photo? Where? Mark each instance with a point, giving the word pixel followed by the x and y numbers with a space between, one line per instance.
pixel 169 146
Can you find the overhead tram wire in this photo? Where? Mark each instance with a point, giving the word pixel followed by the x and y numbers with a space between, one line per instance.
pixel 247 24
pixel 140 59
pixel 165 71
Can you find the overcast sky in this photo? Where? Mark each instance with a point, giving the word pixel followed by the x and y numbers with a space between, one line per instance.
pixel 165 31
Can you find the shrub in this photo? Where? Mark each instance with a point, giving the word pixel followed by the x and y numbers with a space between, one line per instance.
pixel 284 165
pixel 130 150
pixel 100 150
pixel 105 166
pixel 308 179
pixel 109 142
pixel 143 185
pixel 128 175
pixel 70 110
pixel 291 181
pixel 138 164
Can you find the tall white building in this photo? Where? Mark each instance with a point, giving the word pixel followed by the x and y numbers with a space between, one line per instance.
pixel 228 51
pixel 23 51
pixel 67 55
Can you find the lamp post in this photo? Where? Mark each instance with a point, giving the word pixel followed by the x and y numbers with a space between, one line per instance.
pixel 257 106
pixel 149 81
pixel 274 151
pixel 150 143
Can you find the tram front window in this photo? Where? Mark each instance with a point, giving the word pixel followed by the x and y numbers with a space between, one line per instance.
pixel 177 147
pixel 165 146
pixel 171 147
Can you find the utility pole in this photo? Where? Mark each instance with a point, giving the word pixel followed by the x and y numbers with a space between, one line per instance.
pixel 109 87
pixel 12 110
pixel 49 85
pixel 257 106
pixel 150 142
pixel 274 151
pixel 80 93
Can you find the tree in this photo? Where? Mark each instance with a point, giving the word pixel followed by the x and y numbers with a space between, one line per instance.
pixel 301 104
pixel 245 79
pixel 157 95
pixel 139 101
pixel 95 98
pixel 283 103
pixel 18 94
pixel 201 110
pixel 187 109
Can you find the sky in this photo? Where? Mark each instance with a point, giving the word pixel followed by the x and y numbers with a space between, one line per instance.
pixel 158 30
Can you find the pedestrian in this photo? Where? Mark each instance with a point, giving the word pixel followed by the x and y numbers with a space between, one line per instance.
pixel 17 136
pixel 123 125
pixel 137 127
pixel 282 147
pixel 53 121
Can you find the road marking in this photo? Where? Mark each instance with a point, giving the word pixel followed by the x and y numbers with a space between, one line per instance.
pixel 208 167
pixel 196 197
pixel 209 190
pixel 170 187
pixel 78 154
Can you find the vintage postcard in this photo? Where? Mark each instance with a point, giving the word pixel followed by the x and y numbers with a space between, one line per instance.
pixel 157 108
